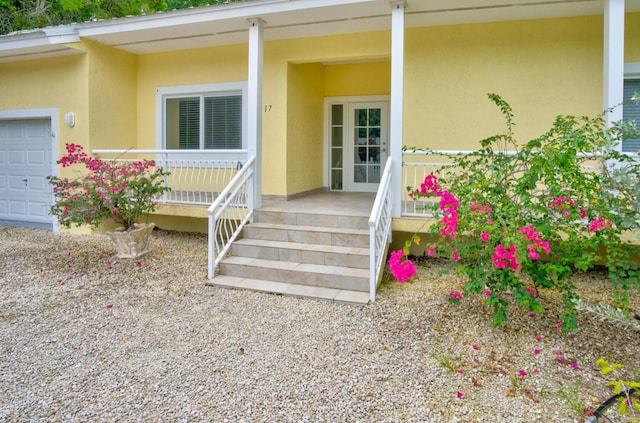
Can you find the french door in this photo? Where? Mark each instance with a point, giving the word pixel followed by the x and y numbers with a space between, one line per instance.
pixel 359 144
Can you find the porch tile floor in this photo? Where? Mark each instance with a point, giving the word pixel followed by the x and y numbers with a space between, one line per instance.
pixel 314 246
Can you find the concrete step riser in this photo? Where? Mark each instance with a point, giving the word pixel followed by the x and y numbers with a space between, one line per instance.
pixel 309 237
pixel 325 280
pixel 326 258
pixel 308 219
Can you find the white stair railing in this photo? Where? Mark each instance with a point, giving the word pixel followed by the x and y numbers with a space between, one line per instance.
pixel 229 213
pixel 380 229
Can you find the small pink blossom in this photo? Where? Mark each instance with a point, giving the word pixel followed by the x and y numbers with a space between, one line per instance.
pixel 475 347
pixel 583 214
pixel 538 338
pixel 401 270
pixel 531 291
pixel 487 293
pixel 598 224
pixel 536 351
pixel 455 256
pixel 522 373
pixel 559 325
pixel 460 395
pixel 574 366
pixel 484 236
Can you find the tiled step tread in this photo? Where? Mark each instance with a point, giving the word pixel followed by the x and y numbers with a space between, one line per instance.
pixel 312 219
pixel 302 246
pixel 331 294
pixel 322 229
pixel 299 267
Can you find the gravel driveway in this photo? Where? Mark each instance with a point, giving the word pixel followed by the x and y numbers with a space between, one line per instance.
pixel 87 337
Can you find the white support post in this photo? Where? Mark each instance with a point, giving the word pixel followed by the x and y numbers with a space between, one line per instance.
pixel 613 59
pixel 254 105
pixel 397 99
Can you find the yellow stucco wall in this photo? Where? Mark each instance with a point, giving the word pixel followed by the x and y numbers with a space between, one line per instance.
pixel 304 127
pixel 58 83
pixel 632 37
pixel 356 79
pixel 541 67
pixel 112 97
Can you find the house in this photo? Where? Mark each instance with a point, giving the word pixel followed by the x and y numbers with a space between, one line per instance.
pixel 323 93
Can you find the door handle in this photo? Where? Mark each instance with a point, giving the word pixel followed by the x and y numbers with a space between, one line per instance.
pixel 25 182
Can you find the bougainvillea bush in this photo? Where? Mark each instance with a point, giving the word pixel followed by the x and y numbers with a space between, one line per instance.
pixel 107 189
pixel 517 219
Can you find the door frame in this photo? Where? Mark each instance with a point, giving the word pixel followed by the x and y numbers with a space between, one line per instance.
pixel 347 100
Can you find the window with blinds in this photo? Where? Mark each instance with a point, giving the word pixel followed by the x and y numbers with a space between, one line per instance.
pixel 212 122
pixel 631 111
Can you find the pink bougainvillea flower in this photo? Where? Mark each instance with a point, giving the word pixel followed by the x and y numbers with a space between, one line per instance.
pixel 583 214
pixel 401 270
pixel 536 351
pixel 559 325
pixel 460 395
pixel 522 373
pixel 598 224
pixel 430 186
pixel 475 347
pixel 432 249
pixel 474 206
pixel 455 256
pixel 487 293
pixel 531 291
pixel 574 366
pixel 538 338
pixel 484 236
pixel 503 258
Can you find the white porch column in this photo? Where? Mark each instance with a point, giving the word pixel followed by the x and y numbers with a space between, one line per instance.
pixel 254 105
pixel 613 58
pixel 397 101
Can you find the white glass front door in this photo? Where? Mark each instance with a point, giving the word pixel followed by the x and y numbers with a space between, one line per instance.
pixel 359 145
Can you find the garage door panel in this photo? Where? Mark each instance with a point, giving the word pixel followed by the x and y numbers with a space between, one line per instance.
pixel 37 209
pixel 35 158
pixel 25 154
pixel 18 208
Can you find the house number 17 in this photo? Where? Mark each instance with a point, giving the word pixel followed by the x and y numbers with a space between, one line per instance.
pixel 267 108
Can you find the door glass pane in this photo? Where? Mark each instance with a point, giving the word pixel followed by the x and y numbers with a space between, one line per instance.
pixel 336 136
pixel 336 158
pixel 366 166
pixel 336 180
pixel 336 114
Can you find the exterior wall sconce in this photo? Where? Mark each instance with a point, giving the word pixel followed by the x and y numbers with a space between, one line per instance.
pixel 70 119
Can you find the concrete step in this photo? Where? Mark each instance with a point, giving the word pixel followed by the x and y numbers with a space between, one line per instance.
pixel 330 255
pixel 283 288
pixel 317 275
pixel 344 237
pixel 328 220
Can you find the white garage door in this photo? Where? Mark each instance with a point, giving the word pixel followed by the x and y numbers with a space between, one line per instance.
pixel 25 163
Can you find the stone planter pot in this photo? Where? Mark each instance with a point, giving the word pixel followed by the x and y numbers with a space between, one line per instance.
pixel 132 244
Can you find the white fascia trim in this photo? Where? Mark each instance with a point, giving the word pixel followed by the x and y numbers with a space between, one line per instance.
pixel 632 70
pixel 233 11
pixel 39 38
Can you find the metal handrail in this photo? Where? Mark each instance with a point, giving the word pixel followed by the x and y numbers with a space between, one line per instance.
pixel 380 228
pixel 228 215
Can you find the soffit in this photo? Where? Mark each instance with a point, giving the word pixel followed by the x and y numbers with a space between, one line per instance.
pixel 228 23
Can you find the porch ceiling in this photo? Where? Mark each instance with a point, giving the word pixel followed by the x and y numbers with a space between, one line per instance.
pixel 227 23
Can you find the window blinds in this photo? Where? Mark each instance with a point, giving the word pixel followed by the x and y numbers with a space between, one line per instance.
pixel 631 111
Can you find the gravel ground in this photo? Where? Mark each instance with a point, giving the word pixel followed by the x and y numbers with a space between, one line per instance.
pixel 87 337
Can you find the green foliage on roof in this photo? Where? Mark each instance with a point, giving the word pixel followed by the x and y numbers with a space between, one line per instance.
pixel 17 15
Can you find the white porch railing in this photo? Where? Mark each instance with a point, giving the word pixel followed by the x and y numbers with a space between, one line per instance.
pixel 380 228
pixel 196 177
pixel 229 213
pixel 416 165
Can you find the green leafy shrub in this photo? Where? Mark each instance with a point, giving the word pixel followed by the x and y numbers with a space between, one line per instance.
pixel 517 218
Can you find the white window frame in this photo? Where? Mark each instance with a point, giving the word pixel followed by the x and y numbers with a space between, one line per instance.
pixel 226 88
pixel 631 71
